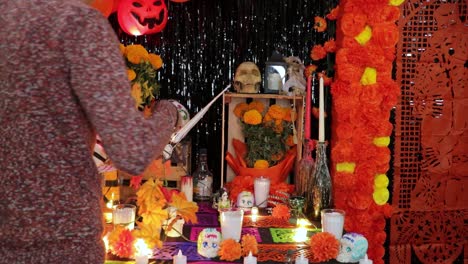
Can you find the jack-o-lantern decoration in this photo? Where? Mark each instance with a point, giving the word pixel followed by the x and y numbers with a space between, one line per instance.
pixel 139 17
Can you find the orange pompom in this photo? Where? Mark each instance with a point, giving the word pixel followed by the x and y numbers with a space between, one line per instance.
pixel 281 211
pixel 324 246
pixel 229 250
pixel 249 244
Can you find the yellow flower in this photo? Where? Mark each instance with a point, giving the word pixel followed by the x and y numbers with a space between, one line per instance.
pixel 257 105
pixel 240 109
pixel 155 60
pixel 369 76
pixel 277 112
pixel 252 117
pixel 131 74
pixel 261 164
pixel 364 36
pixel 136 54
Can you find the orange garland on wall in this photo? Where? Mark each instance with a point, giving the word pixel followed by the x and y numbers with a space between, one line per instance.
pixel 363 95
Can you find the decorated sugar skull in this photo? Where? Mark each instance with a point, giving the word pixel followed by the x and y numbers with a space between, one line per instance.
pixel 353 248
pixel 245 199
pixel 139 17
pixel 247 78
pixel 208 242
pixel 183 114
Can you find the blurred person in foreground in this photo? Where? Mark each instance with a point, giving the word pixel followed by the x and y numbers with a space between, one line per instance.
pixel 62 80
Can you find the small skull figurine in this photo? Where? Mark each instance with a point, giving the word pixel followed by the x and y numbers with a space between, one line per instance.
pixel 353 248
pixel 208 242
pixel 247 78
pixel 245 199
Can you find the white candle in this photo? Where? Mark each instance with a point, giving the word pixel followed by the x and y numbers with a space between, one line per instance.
pixel 179 258
pixel 186 186
pixel 254 214
pixel 365 260
pixel 142 252
pixel 261 189
pixel 321 137
pixel 250 259
pixel 301 259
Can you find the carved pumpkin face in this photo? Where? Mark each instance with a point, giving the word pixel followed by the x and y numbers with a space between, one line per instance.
pixel 139 17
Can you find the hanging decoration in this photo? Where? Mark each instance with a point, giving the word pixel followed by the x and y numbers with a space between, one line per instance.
pixel 363 96
pixel 140 17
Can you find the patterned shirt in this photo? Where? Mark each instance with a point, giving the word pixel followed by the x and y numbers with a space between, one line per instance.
pixel 62 78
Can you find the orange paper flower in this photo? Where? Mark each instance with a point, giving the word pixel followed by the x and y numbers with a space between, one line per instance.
pixel 320 24
pixel 324 246
pixel 229 250
pixel 281 211
pixel 249 244
pixel 330 46
pixel 333 15
pixel 318 52
pixel 310 69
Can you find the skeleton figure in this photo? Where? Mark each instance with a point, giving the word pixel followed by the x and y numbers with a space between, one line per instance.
pixel 296 83
pixel 353 248
pixel 208 242
pixel 247 78
pixel 245 199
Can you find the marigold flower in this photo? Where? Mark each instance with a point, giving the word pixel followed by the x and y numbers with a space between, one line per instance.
pixel 136 54
pixel 309 70
pixel 281 211
pixel 318 52
pixel 240 109
pixel 257 105
pixel 229 250
pixel 249 244
pixel 261 164
pixel 123 247
pixel 155 60
pixel 320 24
pixel 352 24
pixel 276 112
pixel 252 117
pixel 330 46
pixel 324 246
pixel 290 115
pixel 333 15
pixel 267 118
pixel 131 74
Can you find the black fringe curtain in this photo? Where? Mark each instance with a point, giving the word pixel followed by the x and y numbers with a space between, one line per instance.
pixel 205 40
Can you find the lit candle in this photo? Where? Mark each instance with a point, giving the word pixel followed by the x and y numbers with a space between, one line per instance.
pixel 321 137
pixel 307 107
pixel 179 258
pixel 254 214
pixel 365 260
pixel 142 252
pixel 301 259
pixel 186 186
pixel 261 189
pixel 250 259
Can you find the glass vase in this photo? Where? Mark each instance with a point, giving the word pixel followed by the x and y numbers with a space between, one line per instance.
pixel 321 192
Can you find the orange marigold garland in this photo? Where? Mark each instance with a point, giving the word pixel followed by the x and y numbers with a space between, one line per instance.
pixel 323 247
pixel 363 95
pixel 229 250
pixel 249 244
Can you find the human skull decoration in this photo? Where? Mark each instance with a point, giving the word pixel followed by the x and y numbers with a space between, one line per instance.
pixel 247 78
pixel 208 242
pixel 245 199
pixel 140 17
pixel 353 248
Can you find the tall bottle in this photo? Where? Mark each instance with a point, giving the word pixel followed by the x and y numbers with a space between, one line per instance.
pixel 322 192
pixel 202 178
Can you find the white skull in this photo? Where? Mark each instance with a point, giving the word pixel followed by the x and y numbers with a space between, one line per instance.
pixel 208 242
pixel 247 78
pixel 353 248
pixel 245 199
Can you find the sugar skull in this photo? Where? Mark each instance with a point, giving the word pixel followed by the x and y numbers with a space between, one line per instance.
pixel 245 199
pixel 353 248
pixel 139 17
pixel 247 78
pixel 208 242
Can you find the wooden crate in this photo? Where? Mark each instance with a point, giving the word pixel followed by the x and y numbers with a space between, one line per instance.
pixel 232 126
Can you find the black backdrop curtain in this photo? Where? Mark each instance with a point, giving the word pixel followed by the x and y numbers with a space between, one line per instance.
pixel 205 40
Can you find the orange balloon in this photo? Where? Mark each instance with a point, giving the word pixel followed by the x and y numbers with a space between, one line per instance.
pixel 105 6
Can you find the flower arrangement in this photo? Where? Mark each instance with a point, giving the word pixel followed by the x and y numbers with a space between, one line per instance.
pixel 363 96
pixel 158 209
pixel 142 68
pixel 231 250
pixel 268 132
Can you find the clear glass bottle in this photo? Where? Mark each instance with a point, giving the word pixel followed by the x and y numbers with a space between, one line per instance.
pixel 202 179
pixel 322 192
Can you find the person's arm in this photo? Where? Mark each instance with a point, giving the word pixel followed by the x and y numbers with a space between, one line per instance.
pixel 99 80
